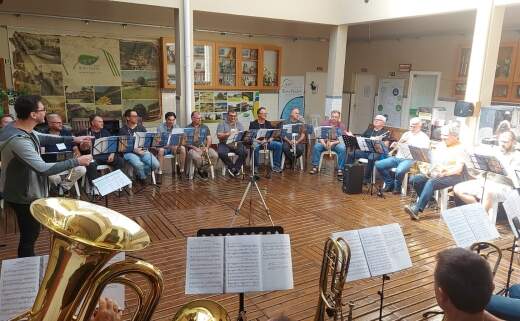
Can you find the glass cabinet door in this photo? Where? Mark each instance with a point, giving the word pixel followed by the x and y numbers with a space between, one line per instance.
pixel 504 69
pixel 249 67
pixel 270 78
pixel 202 64
pixel 227 66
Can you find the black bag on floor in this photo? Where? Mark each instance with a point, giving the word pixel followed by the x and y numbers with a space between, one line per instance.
pixel 353 178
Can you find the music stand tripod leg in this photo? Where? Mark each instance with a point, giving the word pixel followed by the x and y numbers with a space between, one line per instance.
pixel 382 296
pixel 505 290
pixel 264 203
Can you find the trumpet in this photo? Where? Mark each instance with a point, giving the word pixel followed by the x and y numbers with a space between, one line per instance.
pixel 84 237
pixel 334 269
pixel 402 140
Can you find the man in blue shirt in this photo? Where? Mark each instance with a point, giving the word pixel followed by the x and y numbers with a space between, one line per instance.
pixel 224 130
pixel 179 151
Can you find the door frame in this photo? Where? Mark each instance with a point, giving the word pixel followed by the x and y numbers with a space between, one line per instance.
pixel 405 116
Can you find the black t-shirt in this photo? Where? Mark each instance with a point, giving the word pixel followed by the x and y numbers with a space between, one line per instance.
pixel 371 132
pixel 256 125
pixel 127 131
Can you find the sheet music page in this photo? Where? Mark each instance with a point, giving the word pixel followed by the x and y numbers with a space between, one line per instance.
pixel 396 245
pixel 459 227
pixel 276 262
pixel 362 143
pixel 19 283
pixel 373 242
pixel 287 128
pixel 111 182
pixel 205 265
pixel 261 133
pixel 243 266
pixel 100 145
pixel 512 207
pixel 140 138
pixel 358 268
pixel 479 222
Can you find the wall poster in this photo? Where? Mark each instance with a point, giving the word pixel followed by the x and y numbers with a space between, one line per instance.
pixel 390 100
pixel 291 95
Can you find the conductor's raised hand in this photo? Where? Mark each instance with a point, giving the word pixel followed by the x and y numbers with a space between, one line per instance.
pixel 85 160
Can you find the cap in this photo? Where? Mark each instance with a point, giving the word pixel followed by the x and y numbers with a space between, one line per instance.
pixel 380 117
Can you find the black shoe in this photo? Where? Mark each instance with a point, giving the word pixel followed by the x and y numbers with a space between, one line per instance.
pixel 236 172
pixel 158 178
pixel 231 172
pixel 396 191
pixel 388 188
pixel 256 177
pixel 413 211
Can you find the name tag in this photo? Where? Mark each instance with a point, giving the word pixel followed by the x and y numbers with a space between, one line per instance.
pixel 61 146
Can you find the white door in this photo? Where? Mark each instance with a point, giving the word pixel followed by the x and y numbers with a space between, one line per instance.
pixel 362 108
pixel 422 92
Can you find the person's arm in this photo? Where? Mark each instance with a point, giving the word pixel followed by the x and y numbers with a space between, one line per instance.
pixel 48 139
pixel 23 150
pixel 489 317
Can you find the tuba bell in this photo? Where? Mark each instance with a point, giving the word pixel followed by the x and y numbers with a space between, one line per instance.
pixel 84 237
pixel 334 269
pixel 201 310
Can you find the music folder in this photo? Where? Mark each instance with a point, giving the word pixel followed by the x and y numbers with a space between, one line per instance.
pixel 420 154
pixel 106 145
pixel 238 264
pixel 512 208
pixel 111 182
pixel 469 224
pixel 375 251
pixel 20 280
pixel 350 141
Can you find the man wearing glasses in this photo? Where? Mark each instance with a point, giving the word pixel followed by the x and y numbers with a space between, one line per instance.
pixel 273 145
pixel 200 151
pixel 402 161
pixel 23 178
pixel 141 160
pixel 225 129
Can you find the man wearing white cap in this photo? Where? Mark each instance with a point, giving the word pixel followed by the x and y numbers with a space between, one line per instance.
pixel 376 132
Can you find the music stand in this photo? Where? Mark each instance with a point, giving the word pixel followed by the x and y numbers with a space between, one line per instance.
pixel 420 154
pixel 252 230
pixel 487 163
pixel 372 146
pixel 291 131
pixel 251 136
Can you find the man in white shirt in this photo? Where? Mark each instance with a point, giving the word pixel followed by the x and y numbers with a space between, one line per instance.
pixel 403 160
pixel 497 186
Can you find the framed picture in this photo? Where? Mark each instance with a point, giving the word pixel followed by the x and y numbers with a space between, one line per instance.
pixel 168 59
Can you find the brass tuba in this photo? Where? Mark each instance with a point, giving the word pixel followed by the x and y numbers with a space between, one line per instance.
pixel 201 310
pixel 334 269
pixel 84 238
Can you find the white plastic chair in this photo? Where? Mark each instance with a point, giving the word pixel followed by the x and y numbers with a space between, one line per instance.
pixel 232 156
pixel 76 186
pixel 299 158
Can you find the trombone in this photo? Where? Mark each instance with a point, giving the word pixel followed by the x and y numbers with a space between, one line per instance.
pixel 334 269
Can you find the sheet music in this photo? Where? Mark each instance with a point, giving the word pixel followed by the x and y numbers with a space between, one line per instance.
pixel 111 182
pixel 358 268
pixel 459 227
pixel 243 266
pixel 396 245
pixel 479 222
pixel 287 128
pixel 276 262
pixel 378 260
pixel 19 283
pixel 512 207
pixel 205 265
pixel 362 143
pixel 105 145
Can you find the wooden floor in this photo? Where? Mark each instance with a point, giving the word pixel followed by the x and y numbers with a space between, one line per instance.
pixel 309 208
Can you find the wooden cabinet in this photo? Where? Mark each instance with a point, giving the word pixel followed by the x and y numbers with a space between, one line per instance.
pixel 507 74
pixel 203 64
pixel 168 77
pixel 249 60
pixel 271 61
pixel 227 76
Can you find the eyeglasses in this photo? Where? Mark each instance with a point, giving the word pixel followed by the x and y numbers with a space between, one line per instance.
pixel 38 110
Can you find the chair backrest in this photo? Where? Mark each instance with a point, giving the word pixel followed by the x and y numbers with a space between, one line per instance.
pixel 79 124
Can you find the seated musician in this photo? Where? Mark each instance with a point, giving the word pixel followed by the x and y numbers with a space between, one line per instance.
pixel 463 285
pixel 224 130
pixel 200 151
pixel 67 180
pixel 113 159
pixel 376 132
pixel 497 186
pixel 447 169
pixel 402 161
pixel 273 145
pixel 293 149
pixel 141 160
pixel 179 150
pixel 5 120
pixel 334 144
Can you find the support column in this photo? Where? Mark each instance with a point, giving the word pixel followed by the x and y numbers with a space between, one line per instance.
pixel 336 69
pixel 482 64
pixel 184 48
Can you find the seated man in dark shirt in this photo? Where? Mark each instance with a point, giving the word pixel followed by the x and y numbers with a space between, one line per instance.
pixel 141 160
pixel 68 178
pixel 293 149
pixel 113 159
pixel 273 145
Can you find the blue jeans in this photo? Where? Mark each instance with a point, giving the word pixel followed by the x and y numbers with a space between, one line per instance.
pixel 507 308
pixel 141 163
pixel 402 166
pixel 339 149
pixel 372 157
pixel 274 146
pixel 425 186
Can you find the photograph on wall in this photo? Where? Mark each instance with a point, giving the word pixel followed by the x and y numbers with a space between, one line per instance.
pixel 38 49
pixel 140 84
pixel 205 96
pixel 212 117
pixel 76 95
pixel 220 97
pixel 139 55
pixel 207 107
pixel 107 95
pixel 221 107
pixel 51 82
pixel 90 61
pixel 27 80
pixel 148 109
pixel 80 110
pixel 55 104
pixel 170 63
pixel 234 96
pixel 109 111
